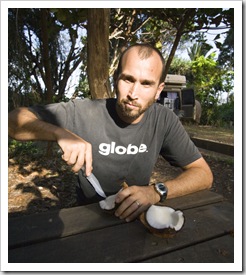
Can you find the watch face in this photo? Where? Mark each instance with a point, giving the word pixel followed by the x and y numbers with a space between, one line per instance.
pixel 162 190
pixel 161 187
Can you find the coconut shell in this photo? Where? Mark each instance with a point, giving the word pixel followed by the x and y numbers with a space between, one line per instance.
pixel 165 233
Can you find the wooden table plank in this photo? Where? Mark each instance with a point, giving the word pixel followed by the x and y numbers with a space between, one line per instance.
pixel 130 242
pixel 218 250
pixel 194 200
pixel 66 222
pixel 55 224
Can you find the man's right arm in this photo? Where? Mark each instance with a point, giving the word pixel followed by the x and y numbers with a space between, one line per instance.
pixel 25 125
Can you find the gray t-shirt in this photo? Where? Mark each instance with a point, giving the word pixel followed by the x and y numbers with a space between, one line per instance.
pixel 122 152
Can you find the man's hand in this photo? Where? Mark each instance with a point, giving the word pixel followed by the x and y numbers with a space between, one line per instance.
pixel 76 151
pixel 134 200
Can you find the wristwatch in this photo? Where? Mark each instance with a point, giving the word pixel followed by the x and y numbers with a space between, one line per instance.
pixel 162 190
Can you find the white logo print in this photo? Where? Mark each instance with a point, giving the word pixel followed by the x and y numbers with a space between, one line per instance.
pixel 106 149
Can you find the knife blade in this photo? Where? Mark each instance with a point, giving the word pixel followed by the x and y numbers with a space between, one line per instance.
pixel 95 183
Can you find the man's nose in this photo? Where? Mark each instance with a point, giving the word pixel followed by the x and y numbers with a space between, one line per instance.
pixel 133 92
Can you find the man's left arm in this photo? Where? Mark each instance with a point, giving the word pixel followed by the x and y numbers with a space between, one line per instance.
pixel 136 199
pixel 195 177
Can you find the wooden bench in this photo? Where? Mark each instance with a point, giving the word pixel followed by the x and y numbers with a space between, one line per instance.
pixel 87 234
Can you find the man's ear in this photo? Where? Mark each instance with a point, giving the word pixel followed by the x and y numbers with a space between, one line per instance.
pixel 159 90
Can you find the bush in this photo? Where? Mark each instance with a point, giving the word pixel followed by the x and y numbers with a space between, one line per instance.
pixel 30 149
pixel 218 115
pixel 225 114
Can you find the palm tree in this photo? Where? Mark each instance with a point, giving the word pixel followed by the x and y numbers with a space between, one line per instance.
pixel 198 49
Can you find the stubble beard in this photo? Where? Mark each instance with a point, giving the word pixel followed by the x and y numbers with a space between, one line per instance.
pixel 128 114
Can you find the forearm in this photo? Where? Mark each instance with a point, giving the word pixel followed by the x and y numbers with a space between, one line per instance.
pixel 135 199
pixel 25 125
pixel 193 179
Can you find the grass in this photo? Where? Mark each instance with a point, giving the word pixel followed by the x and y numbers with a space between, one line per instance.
pixel 218 134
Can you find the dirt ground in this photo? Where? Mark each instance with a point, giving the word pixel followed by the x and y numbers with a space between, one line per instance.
pixel 37 183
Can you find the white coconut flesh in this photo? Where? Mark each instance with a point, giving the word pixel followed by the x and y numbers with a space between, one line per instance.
pixel 108 203
pixel 161 217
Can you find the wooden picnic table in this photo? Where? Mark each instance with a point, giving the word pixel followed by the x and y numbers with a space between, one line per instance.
pixel 88 234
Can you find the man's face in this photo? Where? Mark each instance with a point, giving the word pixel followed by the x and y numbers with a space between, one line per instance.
pixel 138 85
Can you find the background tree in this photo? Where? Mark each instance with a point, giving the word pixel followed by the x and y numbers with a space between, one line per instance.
pixel 46 46
pixel 198 49
pixel 164 28
pixel 207 83
pixel 43 53
pixel 226 56
pixel 98 53
pixel 181 66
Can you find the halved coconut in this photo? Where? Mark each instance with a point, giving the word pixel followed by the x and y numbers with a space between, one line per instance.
pixel 162 221
pixel 109 203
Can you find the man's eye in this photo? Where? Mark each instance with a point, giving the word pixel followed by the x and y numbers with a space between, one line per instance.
pixel 146 84
pixel 128 80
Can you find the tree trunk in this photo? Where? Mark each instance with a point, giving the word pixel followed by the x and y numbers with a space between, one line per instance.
pixel 45 48
pixel 189 14
pixel 98 53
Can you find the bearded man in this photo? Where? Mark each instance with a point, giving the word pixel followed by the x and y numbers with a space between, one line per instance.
pixel 119 140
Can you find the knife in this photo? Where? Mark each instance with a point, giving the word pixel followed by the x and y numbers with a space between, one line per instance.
pixel 95 183
pixel 92 180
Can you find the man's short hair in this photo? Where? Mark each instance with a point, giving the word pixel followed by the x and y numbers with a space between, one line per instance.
pixel 145 51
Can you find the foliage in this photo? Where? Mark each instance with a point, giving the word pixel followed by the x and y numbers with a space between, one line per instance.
pixel 222 115
pixel 42 52
pixel 198 49
pixel 167 29
pixel 47 45
pixel 180 66
pixel 206 77
pixel 82 90
pixel 226 56
pixel 225 114
pixel 209 82
pixel 17 148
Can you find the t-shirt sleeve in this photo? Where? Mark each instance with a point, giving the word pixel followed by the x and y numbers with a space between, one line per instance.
pixel 60 114
pixel 178 149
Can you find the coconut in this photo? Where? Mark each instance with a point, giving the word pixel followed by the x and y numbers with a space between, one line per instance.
pixel 109 203
pixel 162 221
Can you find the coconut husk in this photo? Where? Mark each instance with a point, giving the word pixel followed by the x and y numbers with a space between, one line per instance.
pixel 166 233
